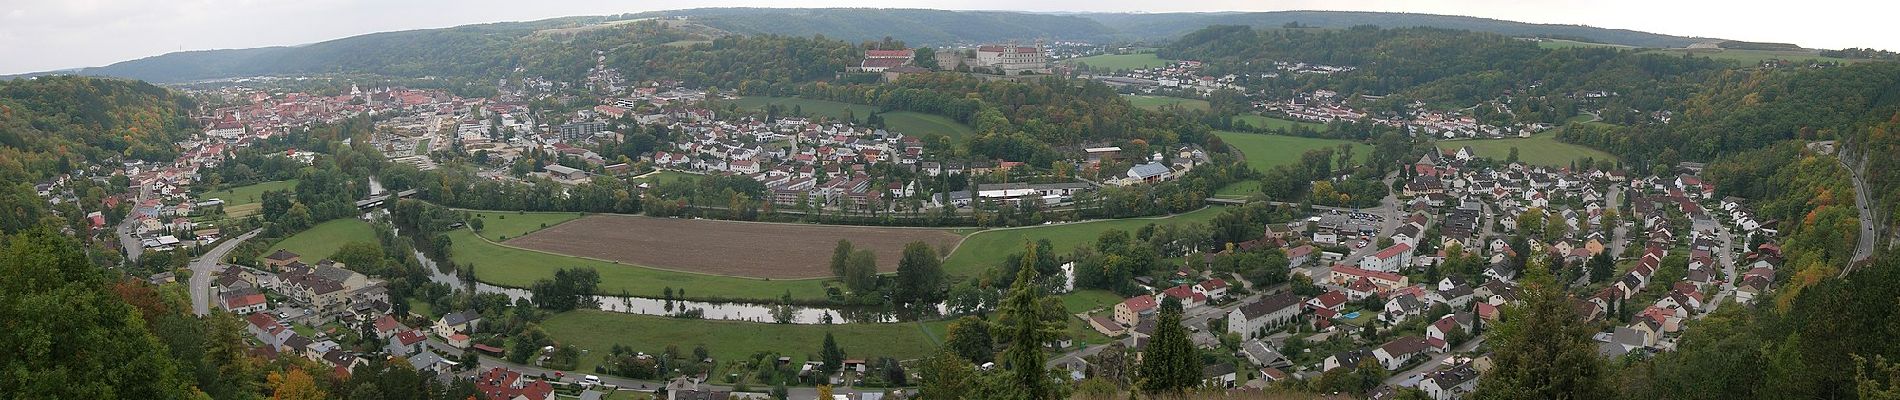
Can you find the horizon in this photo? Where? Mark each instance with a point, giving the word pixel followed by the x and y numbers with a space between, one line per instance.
pixel 54 45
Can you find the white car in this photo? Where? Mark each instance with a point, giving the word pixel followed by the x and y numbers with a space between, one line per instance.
pixel 590 381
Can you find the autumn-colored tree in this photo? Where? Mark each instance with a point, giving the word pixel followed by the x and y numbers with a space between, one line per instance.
pixel 294 385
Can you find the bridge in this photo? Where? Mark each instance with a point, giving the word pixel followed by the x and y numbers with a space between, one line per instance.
pixel 378 200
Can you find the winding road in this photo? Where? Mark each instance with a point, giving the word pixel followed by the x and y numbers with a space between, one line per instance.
pixel 1869 232
pixel 201 271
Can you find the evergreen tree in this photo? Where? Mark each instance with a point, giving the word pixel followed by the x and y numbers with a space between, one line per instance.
pixel 831 355
pixel 1541 349
pixel 1171 364
pixel 1021 317
pixel 944 375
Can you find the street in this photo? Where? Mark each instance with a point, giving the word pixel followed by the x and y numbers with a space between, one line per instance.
pixel 1399 379
pixel 201 271
pixel 133 247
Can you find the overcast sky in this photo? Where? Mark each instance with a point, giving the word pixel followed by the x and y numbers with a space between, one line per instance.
pixel 39 35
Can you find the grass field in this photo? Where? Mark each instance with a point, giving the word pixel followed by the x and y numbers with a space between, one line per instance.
pixel 517 267
pixel 243 201
pixel 1157 102
pixel 1753 57
pixel 731 248
pixel 1089 299
pixel 321 241
pixel 1261 121
pixel 502 225
pixel 1267 151
pixel 1561 44
pixel 598 331
pixel 1542 149
pixel 906 122
pixel 1121 61
pixel 1239 190
pixel 665 176
pixel 984 249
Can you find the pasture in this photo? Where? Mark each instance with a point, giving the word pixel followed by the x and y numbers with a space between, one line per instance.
pixel 905 122
pixel 1261 121
pixel 1265 151
pixel 984 249
pixel 321 241
pixel 510 266
pixel 1121 61
pixel 502 225
pixel 728 248
pixel 1542 149
pixel 1753 57
pixel 245 200
pixel 598 331
pixel 1157 102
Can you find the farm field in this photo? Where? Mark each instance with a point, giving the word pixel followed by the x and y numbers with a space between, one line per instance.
pixel 1121 61
pixel 1265 151
pixel 984 249
pixel 906 122
pixel 1563 44
pixel 1261 121
pixel 1157 102
pixel 517 267
pixel 502 225
pixel 320 241
pixel 243 201
pixel 755 250
pixel 1542 149
pixel 1753 57
pixel 598 331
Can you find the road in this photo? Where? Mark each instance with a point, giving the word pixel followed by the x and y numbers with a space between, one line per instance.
pixel 133 247
pixel 1398 379
pixel 1863 248
pixel 201 271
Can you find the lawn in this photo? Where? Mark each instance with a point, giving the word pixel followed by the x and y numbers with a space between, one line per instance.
pixel 1265 151
pixel 597 332
pixel 906 122
pixel 1261 121
pixel 1157 102
pixel 1754 57
pixel 1089 299
pixel 321 241
pixel 665 176
pixel 987 248
pixel 1239 190
pixel 1542 149
pixel 503 225
pixel 1121 61
pixel 243 200
pixel 516 267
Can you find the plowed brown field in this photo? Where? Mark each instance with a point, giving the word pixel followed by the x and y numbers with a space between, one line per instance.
pixel 760 250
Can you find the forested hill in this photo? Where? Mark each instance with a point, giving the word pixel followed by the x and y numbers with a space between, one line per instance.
pixel 481 50
pixel 1172 25
pixel 55 124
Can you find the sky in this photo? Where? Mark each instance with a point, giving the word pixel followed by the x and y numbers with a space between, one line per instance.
pixel 41 35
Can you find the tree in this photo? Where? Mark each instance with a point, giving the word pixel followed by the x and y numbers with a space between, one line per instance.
pixel 839 256
pixel 295 385
pixel 831 355
pixel 66 335
pixel 861 271
pixel 944 375
pixel 919 276
pixel 1601 266
pixel 1171 364
pixel 970 339
pixel 1028 329
pixel 1541 350
pixel 1512 158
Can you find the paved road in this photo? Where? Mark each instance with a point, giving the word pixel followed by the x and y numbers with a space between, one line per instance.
pixel 201 271
pixel 1864 247
pixel 133 247
pixel 1439 359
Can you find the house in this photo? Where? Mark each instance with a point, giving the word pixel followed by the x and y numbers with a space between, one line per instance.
pixel 1215 289
pixel 279 259
pixel 503 384
pixel 1130 311
pixel 1106 325
pixel 1389 259
pixel 1348 359
pixel 1450 382
pixel 1298 256
pixel 1619 342
pixel 1396 353
pixel 1186 295
pixel 386 326
pixel 1253 320
pixel 457 322
pixel 1401 307
pixel 243 303
pixel 1258 353
pixel 1219 375
pixel 1445 326
pixel 1334 301
pixel 1384 281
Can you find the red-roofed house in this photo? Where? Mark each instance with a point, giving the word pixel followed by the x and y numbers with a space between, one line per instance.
pixel 1129 311
pixel 504 384
pixel 1189 299
pixel 1345 275
pixel 1215 289
pixel 244 304
pixel 1389 259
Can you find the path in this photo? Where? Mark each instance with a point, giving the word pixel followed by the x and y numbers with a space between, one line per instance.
pixel 201 271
